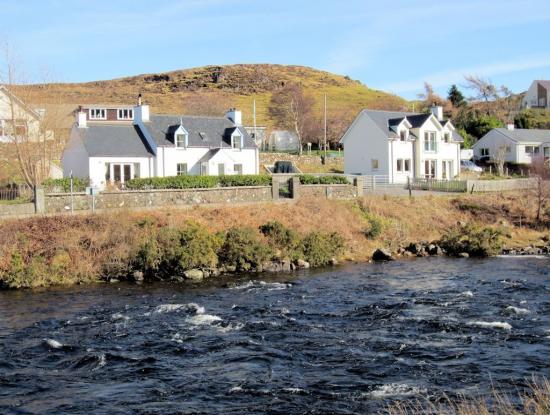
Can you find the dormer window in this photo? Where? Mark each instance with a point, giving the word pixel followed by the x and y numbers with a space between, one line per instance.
pixel 125 114
pixel 98 114
pixel 403 135
pixel 181 140
pixel 446 137
pixel 236 141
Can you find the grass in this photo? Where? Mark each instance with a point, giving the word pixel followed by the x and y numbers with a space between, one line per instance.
pixel 16 201
pixel 535 401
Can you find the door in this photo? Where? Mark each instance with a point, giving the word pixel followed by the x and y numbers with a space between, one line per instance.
pixel 221 169
pixel 127 169
pixel 117 173
pixel 447 169
pixel 429 169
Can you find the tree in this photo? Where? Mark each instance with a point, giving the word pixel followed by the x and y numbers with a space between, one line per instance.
pixel 429 97
pixel 484 90
pixel 32 145
pixel 456 97
pixel 499 159
pixel 540 172
pixel 292 109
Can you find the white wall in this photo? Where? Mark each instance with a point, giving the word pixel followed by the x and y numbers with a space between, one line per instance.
pixel 10 109
pixel 493 140
pixel 400 150
pixel 363 142
pixel 97 168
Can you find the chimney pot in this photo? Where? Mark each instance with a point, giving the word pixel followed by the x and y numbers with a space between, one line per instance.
pixel 235 116
pixel 139 99
pixel 437 111
pixel 510 126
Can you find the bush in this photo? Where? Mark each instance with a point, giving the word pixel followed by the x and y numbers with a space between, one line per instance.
pixel 309 179
pixel 474 240
pixel 376 226
pixel 197 182
pixel 320 248
pixel 282 238
pixel 64 185
pixel 243 249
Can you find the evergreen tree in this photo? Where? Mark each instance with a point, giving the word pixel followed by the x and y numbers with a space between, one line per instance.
pixel 456 97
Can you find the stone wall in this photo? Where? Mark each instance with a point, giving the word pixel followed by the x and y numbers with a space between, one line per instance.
pixel 499 185
pixel 328 191
pixel 19 209
pixel 270 158
pixel 61 202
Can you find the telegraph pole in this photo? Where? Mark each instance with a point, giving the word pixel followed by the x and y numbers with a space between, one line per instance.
pixel 325 127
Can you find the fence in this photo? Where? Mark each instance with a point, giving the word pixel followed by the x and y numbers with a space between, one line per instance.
pixel 16 193
pixel 438 185
pixel 371 183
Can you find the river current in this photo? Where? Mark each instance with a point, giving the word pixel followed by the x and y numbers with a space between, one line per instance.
pixel 343 340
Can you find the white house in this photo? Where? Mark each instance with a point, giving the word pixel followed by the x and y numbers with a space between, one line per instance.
pixel 113 145
pixel 18 119
pixel 538 95
pixel 398 145
pixel 519 146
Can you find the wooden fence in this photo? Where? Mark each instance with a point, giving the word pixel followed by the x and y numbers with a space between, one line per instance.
pixel 438 185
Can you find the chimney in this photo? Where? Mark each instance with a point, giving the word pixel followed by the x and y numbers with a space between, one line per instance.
pixel 437 111
pixel 510 126
pixel 81 118
pixel 235 116
pixel 141 112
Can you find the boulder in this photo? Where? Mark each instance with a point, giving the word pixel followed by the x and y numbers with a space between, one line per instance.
pixel 194 274
pixel 464 255
pixel 137 276
pixel 433 249
pixel 286 265
pixel 230 268
pixel 333 261
pixel 414 248
pixel 301 264
pixel 382 254
pixel 272 266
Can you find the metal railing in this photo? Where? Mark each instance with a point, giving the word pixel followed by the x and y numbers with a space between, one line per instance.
pixel 437 185
pixel 16 192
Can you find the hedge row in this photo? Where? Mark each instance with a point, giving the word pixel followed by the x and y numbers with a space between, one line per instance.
pixel 196 182
pixel 309 179
pixel 64 185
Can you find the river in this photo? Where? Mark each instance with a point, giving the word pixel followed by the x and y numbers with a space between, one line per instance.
pixel 342 340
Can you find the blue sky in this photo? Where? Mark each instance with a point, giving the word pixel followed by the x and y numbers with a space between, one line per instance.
pixel 389 45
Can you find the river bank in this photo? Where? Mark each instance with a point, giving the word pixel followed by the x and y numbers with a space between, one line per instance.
pixel 206 241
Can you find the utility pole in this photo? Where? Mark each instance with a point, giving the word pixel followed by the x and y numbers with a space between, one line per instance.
pixel 254 115
pixel 325 145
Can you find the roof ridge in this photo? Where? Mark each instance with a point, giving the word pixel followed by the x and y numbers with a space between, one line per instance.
pixel 190 116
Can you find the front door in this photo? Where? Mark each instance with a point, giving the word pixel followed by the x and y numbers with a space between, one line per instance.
pixel 122 172
pixel 447 169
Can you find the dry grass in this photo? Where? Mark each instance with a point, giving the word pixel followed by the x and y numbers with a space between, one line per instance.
pixel 534 402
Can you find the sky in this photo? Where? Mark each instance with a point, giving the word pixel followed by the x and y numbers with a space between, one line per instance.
pixel 394 46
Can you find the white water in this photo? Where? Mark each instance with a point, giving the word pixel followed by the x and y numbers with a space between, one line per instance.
pixel 491 324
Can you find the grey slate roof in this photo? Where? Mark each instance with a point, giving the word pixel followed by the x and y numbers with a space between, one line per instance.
pixel 110 140
pixel 211 132
pixel 525 135
pixel 385 119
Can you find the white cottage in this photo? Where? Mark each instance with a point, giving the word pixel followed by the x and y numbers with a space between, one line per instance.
pixel 113 145
pixel 398 145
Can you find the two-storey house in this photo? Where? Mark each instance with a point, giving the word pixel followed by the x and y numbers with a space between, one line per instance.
pixel 398 145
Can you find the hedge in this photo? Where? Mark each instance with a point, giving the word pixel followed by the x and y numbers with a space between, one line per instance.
pixel 196 182
pixel 309 179
pixel 64 185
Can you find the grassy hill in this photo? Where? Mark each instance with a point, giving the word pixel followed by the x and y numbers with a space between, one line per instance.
pixel 210 90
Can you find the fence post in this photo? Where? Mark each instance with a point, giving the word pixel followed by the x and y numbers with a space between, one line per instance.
pixel 373 178
pixel 295 187
pixel 39 200
pixel 409 185
pixel 359 183
pixel 275 188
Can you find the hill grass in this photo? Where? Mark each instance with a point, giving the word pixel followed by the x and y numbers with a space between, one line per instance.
pixel 210 90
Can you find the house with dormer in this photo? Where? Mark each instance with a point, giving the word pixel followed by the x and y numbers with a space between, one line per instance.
pixel 398 145
pixel 111 145
pixel 538 95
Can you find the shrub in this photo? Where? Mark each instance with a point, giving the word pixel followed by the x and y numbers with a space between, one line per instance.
pixel 243 249
pixel 474 240
pixel 282 238
pixel 64 185
pixel 196 182
pixel 320 248
pixel 309 179
pixel 376 226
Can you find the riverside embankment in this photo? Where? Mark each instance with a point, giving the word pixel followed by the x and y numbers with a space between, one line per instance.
pixel 65 249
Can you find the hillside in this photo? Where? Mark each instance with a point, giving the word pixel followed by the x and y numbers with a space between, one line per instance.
pixel 210 90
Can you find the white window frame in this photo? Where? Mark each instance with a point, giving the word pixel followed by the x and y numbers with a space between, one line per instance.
pixel 484 152
pixel 430 175
pixel 181 172
pixel 185 140
pixel 93 113
pixel 236 169
pixel 447 136
pixel 403 135
pixel 125 114
pixel 430 141
pixel 238 136
pixel 407 165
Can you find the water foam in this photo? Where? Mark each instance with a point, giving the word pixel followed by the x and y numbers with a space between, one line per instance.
pixel 203 319
pixel 467 294
pixel 170 308
pixel 270 286
pixel 396 389
pixel 54 344
pixel 491 324
pixel 517 310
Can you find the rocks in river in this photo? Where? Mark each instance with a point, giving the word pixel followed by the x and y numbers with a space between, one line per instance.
pixel 194 274
pixel 464 255
pixel 333 261
pixel 301 264
pixel 382 254
pixel 528 250
pixel 137 276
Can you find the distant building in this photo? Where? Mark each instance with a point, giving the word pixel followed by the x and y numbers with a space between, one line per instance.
pixel 112 145
pixel 257 134
pixel 518 146
pixel 538 95
pixel 283 140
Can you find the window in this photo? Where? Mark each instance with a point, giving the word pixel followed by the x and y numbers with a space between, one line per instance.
pixel 238 168
pixel 107 172
pixel 484 152
pixel 98 114
pixel 374 164
pixel 181 169
pixel 447 137
pixel 125 114
pixel 532 150
pixel 136 171
pixel 403 165
pixel 204 169
pixel 429 141
pixel 236 141
pixel 508 149
pixel 221 169
pixel 403 135
pixel 429 169
pixel 181 140
pixel 6 127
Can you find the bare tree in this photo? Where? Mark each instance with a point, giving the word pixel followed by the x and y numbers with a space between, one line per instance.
pixel 429 97
pixel 31 143
pixel 292 109
pixel 540 172
pixel 499 159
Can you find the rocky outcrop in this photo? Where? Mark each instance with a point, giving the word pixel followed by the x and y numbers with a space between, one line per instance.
pixel 382 254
